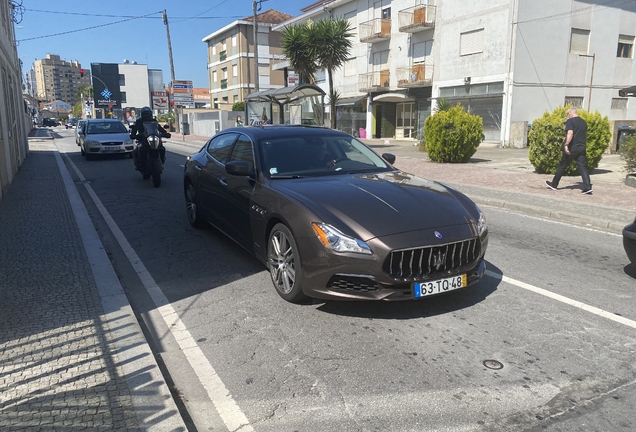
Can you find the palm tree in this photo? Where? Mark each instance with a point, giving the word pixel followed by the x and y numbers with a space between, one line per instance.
pixel 331 43
pixel 324 44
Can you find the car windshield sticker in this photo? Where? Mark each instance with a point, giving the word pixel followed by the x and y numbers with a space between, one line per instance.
pixel 273 171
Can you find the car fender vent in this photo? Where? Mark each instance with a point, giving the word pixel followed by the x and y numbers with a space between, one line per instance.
pixel 352 283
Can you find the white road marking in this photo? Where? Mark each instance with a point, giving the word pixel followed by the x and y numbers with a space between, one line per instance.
pixel 563 299
pixel 228 409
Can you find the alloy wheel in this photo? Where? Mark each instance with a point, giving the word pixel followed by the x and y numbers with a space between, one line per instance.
pixel 281 260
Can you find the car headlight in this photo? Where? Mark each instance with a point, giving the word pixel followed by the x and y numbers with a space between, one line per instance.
pixel 128 142
pixel 481 224
pixel 92 143
pixel 336 241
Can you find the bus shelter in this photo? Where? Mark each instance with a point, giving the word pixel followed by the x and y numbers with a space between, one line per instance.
pixel 303 104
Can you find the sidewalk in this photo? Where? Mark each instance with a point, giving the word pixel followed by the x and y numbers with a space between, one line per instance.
pixel 72 354
pixel 504 178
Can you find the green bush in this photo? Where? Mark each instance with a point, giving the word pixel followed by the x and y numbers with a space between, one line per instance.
pixel 628 153
pixel 452 135
pixel 546 139
pixel 238 106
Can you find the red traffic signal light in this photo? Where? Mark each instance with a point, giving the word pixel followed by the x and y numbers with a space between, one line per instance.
pixel 82 73
pixel 110 106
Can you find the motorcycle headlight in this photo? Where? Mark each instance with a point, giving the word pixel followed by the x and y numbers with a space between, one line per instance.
pixel 336 241
pixel 153 141
pixel 481 223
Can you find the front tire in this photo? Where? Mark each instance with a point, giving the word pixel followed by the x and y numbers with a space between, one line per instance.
pixel 192 208
pixel 284 264
pixel 156 173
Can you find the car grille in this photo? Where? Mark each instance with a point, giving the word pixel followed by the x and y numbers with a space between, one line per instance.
pixel 352 283
pixel 414 263
pixel 111 143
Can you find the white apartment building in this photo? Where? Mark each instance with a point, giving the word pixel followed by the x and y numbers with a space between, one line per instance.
pixel 508 61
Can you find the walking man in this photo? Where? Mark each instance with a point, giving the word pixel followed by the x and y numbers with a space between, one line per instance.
pixel 573 148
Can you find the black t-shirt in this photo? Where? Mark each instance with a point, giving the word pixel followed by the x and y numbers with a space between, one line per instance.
pixel 579 127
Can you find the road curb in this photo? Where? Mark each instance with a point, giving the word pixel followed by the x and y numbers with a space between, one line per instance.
pixel 561 216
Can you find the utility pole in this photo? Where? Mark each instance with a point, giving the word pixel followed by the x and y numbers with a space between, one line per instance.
pixel 165 21
pixel 589 98
pixel 256 6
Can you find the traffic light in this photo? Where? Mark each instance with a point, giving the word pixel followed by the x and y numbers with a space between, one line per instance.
pixel 82 73
pixel 110 107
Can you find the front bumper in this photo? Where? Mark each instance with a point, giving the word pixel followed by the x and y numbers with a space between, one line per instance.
pixel 110 149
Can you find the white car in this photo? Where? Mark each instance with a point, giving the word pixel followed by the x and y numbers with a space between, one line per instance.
pixel 104 137
pixel 78 129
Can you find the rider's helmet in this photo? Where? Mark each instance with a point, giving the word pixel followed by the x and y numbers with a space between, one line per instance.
pixel 146 113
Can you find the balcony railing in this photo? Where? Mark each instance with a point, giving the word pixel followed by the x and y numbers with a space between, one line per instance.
pixel 374 81
pixel 418 75
pixel 280 62
pixel 223 55
pixel 375 30
pixel 417 18
pixel 224 83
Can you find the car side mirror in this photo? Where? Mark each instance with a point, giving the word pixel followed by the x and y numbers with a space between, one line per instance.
pixel 238 168
pixel 389 157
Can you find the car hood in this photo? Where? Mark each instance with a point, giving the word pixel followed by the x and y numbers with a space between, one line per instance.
pixel 376 205
pixel 110 137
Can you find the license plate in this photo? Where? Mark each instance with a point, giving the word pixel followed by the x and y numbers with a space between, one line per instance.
pixel 111 148
pixel 423 289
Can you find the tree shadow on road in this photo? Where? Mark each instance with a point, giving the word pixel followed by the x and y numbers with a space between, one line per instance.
pixel 429 307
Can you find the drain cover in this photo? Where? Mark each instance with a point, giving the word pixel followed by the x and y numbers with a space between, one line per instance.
pixel 493 364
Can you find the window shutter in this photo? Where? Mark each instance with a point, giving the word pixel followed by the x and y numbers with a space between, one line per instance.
pixel 629 40
pixel 472 42
pixel 580 41
pixel 421 51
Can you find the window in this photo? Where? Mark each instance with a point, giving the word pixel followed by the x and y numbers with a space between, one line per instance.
pixel 224 72
pixel 471 42
pixel 625 46
pixel 386 13
pixel 619 103
pixel 213 76
pixel 352 18
pixel 219 147
pixel 122 80
pixel 225 99
pixel 263 70
pixel 576 102
pixel 579 41
pixel 243 152
pixel 224 44
pixel 235 70
pixel 123 97
pixel 213 50
pixel 235 99
pixel 234 40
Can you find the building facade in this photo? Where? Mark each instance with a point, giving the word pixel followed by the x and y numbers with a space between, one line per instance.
pixel 57 79
pixel 15 120
pixel 507 61
pixel 231 58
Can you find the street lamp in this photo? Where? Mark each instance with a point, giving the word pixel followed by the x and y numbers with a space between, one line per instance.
pixel 589 98
pixel 256 6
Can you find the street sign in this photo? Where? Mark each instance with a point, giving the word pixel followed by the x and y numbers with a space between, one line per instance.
pixel 182 86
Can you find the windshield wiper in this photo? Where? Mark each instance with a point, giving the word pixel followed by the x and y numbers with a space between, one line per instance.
pixel 295 176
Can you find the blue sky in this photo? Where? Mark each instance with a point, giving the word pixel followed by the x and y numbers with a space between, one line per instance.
pixel 119 35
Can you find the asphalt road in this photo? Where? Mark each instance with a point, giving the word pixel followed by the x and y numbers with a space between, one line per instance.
pixel 557 311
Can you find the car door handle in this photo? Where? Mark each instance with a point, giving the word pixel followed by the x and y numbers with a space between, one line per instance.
pixel 223 182
pixel 198 168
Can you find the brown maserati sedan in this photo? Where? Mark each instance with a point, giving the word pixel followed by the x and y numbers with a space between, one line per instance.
pixel 331 219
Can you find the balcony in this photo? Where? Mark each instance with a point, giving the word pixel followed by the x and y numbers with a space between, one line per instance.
pixel 222 55
pixel 224 83
pixel 376 30
pixel 417 18
pixel 374 81
pixel 418 75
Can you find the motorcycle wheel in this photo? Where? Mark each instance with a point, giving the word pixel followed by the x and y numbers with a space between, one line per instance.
pixel 156 172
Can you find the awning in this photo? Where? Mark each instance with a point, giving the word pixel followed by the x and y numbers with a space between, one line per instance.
pixel 627 92
pixel 349 101
pixel 392 97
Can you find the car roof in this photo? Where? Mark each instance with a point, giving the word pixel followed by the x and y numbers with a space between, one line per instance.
pixel 103 120
pixel 279 131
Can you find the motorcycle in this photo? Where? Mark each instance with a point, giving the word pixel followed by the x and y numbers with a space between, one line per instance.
pixel 149 158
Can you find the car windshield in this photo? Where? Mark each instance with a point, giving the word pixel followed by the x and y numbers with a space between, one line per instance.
pixel 316 155
pixel 106 128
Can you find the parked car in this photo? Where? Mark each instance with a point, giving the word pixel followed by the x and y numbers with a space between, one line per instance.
pixel 629 242
pixel 50 122
pixel 331 219
pixel 104 136
pixel 71 123
pixel 79 129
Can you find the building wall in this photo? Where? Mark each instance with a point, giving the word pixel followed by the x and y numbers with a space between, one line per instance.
pixel 136 85
pixel 14 120
pixel 57 79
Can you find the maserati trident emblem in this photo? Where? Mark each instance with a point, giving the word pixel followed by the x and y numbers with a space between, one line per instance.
pixel 439 259
pixel 438 234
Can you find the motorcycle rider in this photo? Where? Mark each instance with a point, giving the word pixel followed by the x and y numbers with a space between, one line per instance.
pixel 137 132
